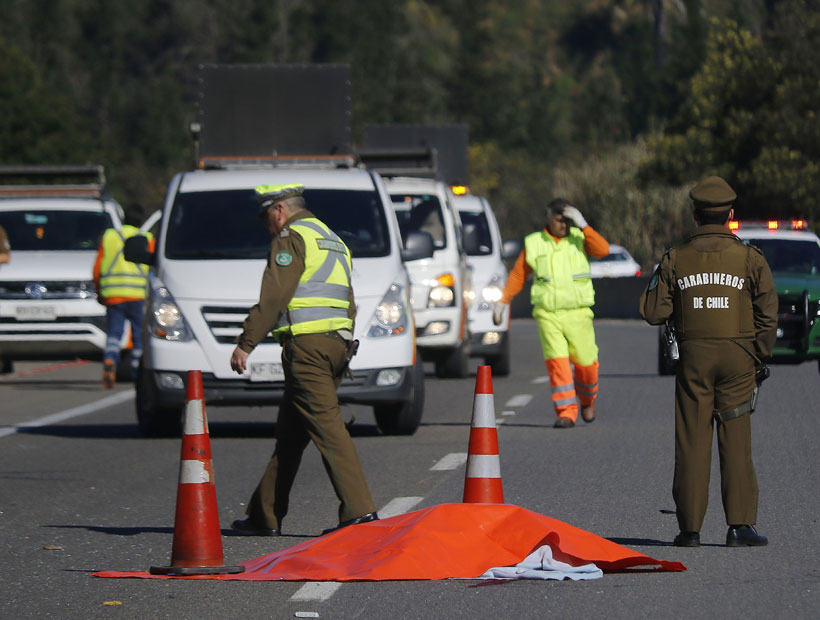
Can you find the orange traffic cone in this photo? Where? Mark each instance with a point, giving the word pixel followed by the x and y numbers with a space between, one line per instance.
pixel 197 547
pixel 482 482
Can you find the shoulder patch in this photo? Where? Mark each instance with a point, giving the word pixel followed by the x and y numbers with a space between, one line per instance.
pixel 283 259
pixel 653 283
pixel 285 232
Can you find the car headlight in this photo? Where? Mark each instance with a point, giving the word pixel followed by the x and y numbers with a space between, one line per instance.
pixel 390 317
pixel 491 293
pixel 166 320
pixel 442 291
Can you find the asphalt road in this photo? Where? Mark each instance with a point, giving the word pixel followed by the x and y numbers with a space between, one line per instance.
pixel 81 491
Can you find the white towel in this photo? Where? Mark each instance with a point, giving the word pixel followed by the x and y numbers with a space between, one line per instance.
pixel 541 565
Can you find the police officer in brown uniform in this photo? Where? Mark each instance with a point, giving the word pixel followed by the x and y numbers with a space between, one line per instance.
pixel 722 299
pixel 307 301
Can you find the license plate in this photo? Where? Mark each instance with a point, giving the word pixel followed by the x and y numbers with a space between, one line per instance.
pixel 35 313
pixel 267 371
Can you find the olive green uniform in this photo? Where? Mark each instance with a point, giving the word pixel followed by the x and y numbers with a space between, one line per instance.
pixel 313 365
pixel 721 296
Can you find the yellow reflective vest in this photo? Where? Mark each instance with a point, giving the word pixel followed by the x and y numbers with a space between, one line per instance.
pixel 561 275
pixel 119 277
pixel 321 300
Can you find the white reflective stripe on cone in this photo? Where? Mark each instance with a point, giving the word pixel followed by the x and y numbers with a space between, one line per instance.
pixel 195 422
pixel 483 466
pixel 193 472
pixel 483 411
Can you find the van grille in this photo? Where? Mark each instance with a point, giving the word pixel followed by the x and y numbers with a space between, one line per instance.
pixel 225 323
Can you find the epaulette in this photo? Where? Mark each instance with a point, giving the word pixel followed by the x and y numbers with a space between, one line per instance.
pixel 285 232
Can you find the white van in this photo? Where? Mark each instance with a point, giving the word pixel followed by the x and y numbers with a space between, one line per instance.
pixel 48 305
pixel 206 274
pixel 485 256
pixel 441 285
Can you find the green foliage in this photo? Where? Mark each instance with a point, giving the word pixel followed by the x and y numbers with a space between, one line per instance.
pixel 751 117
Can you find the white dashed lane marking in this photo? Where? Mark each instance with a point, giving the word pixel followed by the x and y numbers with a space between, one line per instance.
pixel 450 461
pixel 541 379
pixel 323 590
pixel 519 400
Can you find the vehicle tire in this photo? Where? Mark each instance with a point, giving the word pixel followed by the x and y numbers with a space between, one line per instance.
pixel 665 367
pixel 124 367
pixel 404 418
pixel 454 364
pixel 155 420
pixel 500 364
pixel 6 366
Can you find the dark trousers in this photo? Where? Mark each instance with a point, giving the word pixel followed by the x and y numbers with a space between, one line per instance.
pixel 115 317
pixel 313 366
pixel 713 375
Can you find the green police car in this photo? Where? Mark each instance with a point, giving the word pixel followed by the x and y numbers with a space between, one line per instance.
pixel 793 253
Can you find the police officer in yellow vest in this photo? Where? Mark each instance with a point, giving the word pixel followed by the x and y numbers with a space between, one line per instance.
pixel 721 296
pixel 562 297
pixel 121 288
pixel 307 301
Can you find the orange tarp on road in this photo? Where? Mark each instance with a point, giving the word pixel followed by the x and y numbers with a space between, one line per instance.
pixel 440 542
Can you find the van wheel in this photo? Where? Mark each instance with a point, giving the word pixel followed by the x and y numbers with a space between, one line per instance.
pixel 500 364
pixel 155 420
pixel 454 364
pixel 404 418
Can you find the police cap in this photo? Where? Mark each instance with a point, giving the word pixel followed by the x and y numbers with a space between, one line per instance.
pixel 271 194
pixel 712 193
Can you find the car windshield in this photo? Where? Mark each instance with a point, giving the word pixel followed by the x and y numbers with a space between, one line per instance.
pixel 789 255
pixel 225 224
pixel 420 213
pixel 42 229
pixel 475 223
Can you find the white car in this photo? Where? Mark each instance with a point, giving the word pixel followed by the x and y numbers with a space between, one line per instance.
pixel 617 264
pixel 48 305
pixel 441 286
pixel 485 257
pixel 206 273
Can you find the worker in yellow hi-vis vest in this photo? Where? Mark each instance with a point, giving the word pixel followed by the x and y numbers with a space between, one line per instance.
pixel 562 299
pixel 307 301
pixel 121 287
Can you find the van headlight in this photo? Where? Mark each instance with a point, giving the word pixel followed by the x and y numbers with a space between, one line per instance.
pixel 442 291
pixel 390 317
pixel 491 293
pixel 166 321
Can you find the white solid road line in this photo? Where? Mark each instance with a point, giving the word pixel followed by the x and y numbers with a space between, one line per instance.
pixel 450 461
pixel 74 412
pixel 519 400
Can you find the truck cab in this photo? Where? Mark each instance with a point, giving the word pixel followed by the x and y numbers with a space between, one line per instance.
pixel 441 286
pixel 206 273
pixel 54 217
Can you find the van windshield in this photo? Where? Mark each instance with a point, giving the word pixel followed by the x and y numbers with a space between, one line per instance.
pixel 420 213
pixel 475 223
pixel 225 224
pixel 44 230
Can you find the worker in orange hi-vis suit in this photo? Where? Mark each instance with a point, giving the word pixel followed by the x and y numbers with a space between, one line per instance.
pixel 562 299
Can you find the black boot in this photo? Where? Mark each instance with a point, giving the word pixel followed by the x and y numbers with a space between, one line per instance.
pixel 744 536
pixel 687 539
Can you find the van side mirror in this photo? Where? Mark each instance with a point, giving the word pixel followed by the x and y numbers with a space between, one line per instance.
pixel 136 250
pixel 511 249
pixel 418 245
